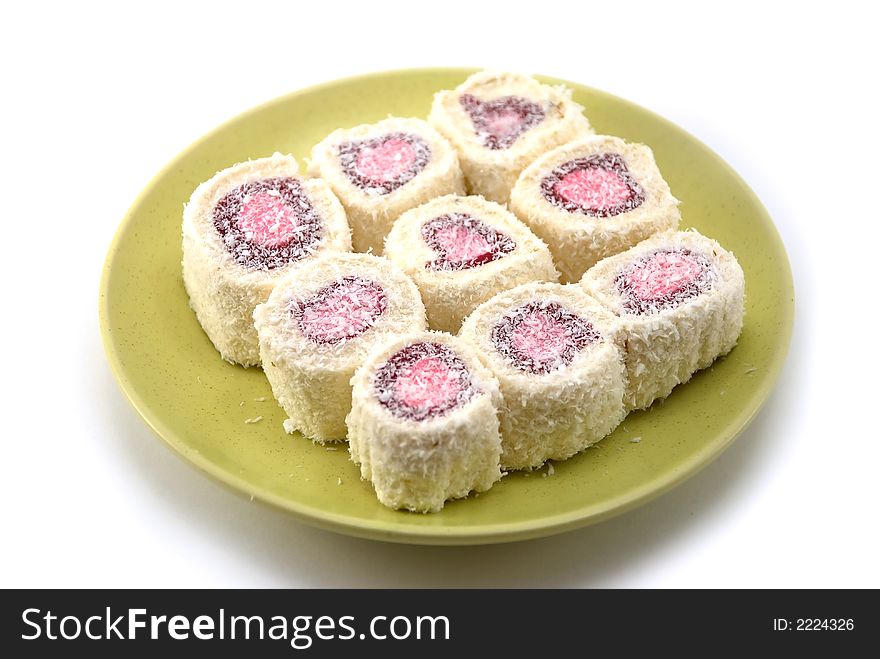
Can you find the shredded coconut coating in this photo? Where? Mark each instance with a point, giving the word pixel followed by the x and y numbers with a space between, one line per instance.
pixel 450 293
pixel 557 410
pixel 318 326
pixel 669 337
pixel 376 176
pixel 500 122
pixel 578 237
pixel 224 286
pixel 418 462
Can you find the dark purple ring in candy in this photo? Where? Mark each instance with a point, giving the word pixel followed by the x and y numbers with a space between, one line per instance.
pixel 635 304
pixel 254 255
pixel 399 366
pixel 492 119
pixel 575 334
pixel 350 151
pixel 497 244
pixel 611 162
pixel 341 317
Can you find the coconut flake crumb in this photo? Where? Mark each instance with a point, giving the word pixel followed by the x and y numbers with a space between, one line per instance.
pixel 751 370
pixel 261 399
pixel 241 404
pixel 255 419
pixel 330 448
pixel 550 469
pixel 635 440
pixel 339 481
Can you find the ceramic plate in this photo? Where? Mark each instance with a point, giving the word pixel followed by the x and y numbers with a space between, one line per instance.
pixel 198 404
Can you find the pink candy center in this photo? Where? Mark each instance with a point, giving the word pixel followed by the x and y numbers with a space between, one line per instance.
pixel 593 187
pixel 663 274
pixel 539 336
pixel 503 123
pixel 428 383
pixel 461 244
pixel 266 219
pixel 386 161
pixel 345 310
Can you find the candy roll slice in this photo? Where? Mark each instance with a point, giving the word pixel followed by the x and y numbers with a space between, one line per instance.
pixel 679 297
pixel 242 231
pixel 380 170
pixel 423 424
pixel 460 251
pixel 593 198
pixel 554 351
pixel 318 326
pixel 501 122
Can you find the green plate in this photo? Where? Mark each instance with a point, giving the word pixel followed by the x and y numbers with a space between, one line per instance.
pixel 198 404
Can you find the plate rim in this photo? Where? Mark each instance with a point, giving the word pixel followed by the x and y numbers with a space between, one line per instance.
pixel 429 535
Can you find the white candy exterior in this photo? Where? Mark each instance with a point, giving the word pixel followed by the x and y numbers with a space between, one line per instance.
pixel 664 349
pixel 492 172
pixel 371 215
pixel 311 381
pixel 450 295
pixel 224 293
pixel 579 241
pixel 419 465
pixel 553 415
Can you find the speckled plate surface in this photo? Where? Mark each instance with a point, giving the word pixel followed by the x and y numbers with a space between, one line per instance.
pixel 198 404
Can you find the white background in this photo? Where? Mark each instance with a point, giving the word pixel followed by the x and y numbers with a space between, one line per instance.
pixel 96 99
